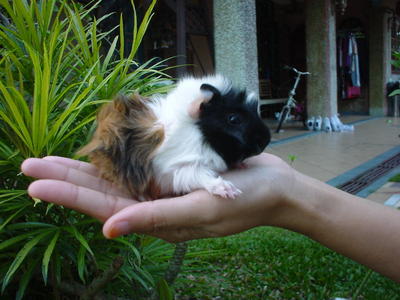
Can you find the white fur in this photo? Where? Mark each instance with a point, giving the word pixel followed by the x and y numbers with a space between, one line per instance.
pixel 183 162
pixel 251 97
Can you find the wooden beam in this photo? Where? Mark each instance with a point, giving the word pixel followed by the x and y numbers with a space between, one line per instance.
pixel 181 35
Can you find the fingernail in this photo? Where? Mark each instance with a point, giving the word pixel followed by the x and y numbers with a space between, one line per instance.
pixel 118 229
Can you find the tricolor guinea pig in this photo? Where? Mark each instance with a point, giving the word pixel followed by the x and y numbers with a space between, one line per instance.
pixel 180 142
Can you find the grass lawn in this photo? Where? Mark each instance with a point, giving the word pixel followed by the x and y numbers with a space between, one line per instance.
pixel 395 178
pixel 271 263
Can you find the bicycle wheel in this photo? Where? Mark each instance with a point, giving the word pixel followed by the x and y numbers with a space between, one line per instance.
pixel 282 118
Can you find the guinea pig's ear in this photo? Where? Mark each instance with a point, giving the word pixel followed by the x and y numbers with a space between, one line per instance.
pixel 122 104
pixel 205 87
pixel 207 93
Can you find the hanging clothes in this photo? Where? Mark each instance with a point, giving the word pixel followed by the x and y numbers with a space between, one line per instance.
pixel 354 61
pixel 349 67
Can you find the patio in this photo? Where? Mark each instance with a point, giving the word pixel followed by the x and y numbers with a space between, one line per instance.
pixel 337 157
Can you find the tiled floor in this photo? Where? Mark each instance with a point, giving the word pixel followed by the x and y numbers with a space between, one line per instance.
pixel 330 156
pixel 327 155
pixel 296 128
pixel 385 192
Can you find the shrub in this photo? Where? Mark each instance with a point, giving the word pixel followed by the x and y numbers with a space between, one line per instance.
pixel 55 68
pixel 396 65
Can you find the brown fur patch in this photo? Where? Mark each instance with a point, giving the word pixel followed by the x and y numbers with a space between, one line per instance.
pixel 124 143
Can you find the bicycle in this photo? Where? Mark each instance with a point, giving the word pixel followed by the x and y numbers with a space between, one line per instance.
pixel 291 102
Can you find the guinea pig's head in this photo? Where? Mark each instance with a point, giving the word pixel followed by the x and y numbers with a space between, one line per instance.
pixel 231 124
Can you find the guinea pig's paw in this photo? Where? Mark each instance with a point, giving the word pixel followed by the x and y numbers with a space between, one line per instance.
pixel 225 189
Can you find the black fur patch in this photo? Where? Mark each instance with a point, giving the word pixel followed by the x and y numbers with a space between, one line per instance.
pixel 232 126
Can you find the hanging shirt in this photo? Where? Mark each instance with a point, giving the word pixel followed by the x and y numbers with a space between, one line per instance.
pixel 354 61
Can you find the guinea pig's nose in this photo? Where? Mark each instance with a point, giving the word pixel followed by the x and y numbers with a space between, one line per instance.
pixel 257 148
pixel 258 141
pixel 262 141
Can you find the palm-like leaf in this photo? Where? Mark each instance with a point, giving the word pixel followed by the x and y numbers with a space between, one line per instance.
pixel 54 72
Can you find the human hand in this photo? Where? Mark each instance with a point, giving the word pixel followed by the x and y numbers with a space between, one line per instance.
pixel 265 183
pixel 273 194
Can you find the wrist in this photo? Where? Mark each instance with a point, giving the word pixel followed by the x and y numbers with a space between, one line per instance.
pixel 302 205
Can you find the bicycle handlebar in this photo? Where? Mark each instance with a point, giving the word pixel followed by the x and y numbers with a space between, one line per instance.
pixel 297 71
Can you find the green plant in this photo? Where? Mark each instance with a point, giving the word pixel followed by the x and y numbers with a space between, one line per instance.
pixel 396 64
pixel 292 158
pixel 395 178
pixel 362 285
pixel 272 263
pixel 56 67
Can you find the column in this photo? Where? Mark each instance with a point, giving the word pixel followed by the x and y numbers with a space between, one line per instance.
pixel 321 58
pixel 379 60
pixel 235 41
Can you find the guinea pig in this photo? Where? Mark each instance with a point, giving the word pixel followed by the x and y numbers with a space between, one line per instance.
pixel 180 142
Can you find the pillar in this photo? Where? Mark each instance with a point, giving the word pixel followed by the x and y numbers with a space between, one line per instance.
pixel 321 58
pixel 379 60
pixel 235 42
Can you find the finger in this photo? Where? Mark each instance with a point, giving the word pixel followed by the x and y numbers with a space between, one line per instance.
pixel 76 164
pixel 94 203
pixel 190 212
pixel 47 169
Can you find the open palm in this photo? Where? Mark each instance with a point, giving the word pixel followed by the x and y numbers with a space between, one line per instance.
pixel 76 185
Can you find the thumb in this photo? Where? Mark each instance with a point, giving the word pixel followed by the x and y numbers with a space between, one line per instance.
pixel 160 215
pixel 137 218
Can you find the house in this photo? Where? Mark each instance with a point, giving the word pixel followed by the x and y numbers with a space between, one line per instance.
pixel 251 40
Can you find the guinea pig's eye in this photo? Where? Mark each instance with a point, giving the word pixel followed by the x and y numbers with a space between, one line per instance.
pixel 234 119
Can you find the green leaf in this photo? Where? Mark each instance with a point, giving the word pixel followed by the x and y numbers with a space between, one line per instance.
pixel 20 257
pixel 80 238
pixel 135 276
pixel 122 36
pixel 138 34
pixel 130 246
pixel 81 263
pixel 14 215
pixel 164 291
pixel 109 55
pixel 292 158
pixel 11 193
pixel 49 206
pixel 36 201
pixel 56 68
pixel 12 241
pixel 29 225
pixel 57 267
pixel 13 116
pixel 26 277
pixel 47 255
pixel 394 93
